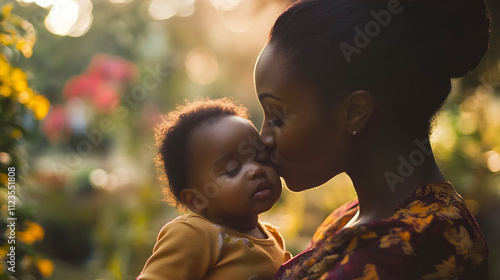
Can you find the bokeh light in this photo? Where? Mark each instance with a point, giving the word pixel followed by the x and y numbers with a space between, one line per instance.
pixel 202 66
pixel 225 4
pixel 66 18
pixel 165 9
pixel 493 161
pixel 120 1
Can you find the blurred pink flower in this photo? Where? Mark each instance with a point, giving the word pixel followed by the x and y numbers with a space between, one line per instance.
pixel 82 86
pixel 106 99
pixel 112 68
pixel 56 126
pixel 103 82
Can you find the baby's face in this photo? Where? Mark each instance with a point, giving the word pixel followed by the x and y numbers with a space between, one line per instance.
pixel 231 170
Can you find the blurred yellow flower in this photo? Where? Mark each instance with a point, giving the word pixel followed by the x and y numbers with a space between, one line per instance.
pixel 7 9
pixel 4 178
pixel 3 253
pixel 23 97
pixel 40 106
pixel 46 267
pixel 5 91
pixel 16 134
pixel 33 233
pixel 4 67
pixel 5 39
pixel 18 75
pixel 25 47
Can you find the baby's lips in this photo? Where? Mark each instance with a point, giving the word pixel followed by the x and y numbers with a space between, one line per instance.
pixel 263 190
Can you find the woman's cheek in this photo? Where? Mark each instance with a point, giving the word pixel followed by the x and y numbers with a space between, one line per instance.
pixel 288 145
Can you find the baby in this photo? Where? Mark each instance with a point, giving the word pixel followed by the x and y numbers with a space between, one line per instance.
pixel 215 165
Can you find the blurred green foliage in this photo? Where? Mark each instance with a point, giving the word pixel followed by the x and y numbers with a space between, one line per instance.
pixel 18 103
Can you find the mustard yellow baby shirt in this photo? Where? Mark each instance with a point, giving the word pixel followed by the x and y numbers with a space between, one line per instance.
pixel 193 248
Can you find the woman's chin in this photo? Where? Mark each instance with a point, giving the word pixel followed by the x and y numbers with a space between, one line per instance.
pixel 296 186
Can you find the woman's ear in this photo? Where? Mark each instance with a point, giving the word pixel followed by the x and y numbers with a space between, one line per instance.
pixel 359 107
pixel 194 200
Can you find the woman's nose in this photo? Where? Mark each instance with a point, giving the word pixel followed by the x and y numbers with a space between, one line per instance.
pixel 256 171
pixel 267 136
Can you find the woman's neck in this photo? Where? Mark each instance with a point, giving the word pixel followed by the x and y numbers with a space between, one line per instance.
pixel 384 175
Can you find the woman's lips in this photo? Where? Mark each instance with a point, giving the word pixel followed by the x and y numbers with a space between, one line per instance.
pixel 274 161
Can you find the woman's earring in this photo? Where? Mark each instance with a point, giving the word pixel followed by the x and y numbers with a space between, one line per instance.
pixel 354 133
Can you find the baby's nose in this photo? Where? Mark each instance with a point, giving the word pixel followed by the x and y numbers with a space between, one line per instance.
pixel 256 171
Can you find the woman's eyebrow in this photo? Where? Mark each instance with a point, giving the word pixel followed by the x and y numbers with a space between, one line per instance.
pixel 268 95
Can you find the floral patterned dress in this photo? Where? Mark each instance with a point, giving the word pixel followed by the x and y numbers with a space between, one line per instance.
pixel 432 235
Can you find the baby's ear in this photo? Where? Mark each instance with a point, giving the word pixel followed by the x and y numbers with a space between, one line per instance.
pixel 194 200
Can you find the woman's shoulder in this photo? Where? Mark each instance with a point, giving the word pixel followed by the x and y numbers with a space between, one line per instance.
pixel 438 204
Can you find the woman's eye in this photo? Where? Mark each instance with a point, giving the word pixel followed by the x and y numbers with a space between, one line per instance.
pixel 277 122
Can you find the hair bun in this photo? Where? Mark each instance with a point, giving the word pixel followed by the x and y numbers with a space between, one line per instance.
pixel 464 34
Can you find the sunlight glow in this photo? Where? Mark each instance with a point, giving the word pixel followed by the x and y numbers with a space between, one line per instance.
pixel 120 1
pixel 62 17
pixel 66 17
pixel 46 3
pixel 164 9
pixel 225 4
pixel 202 66
pixel 98 178
pixel 493 161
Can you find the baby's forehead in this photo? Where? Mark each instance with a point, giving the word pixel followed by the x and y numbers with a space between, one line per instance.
pixel 228 131
pixel 231 136
pixel 237 127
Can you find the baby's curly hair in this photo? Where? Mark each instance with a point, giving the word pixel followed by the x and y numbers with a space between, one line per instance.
pixel 173 134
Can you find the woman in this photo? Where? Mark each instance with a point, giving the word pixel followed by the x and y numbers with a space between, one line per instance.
pixel 352 86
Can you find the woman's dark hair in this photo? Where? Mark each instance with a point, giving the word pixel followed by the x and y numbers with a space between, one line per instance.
pixel 403 51
pixel 173 135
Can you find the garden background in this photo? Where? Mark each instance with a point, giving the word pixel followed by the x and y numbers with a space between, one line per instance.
pixel 82 84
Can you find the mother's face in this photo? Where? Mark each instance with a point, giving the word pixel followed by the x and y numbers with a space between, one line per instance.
pixel 309 145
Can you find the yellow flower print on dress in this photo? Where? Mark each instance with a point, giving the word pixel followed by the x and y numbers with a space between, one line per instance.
pixel 448 269
pixel 432 235
pixel 419 224
pixel 399 237
pixel 463 243
pixel 449 213
pixel 417 209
